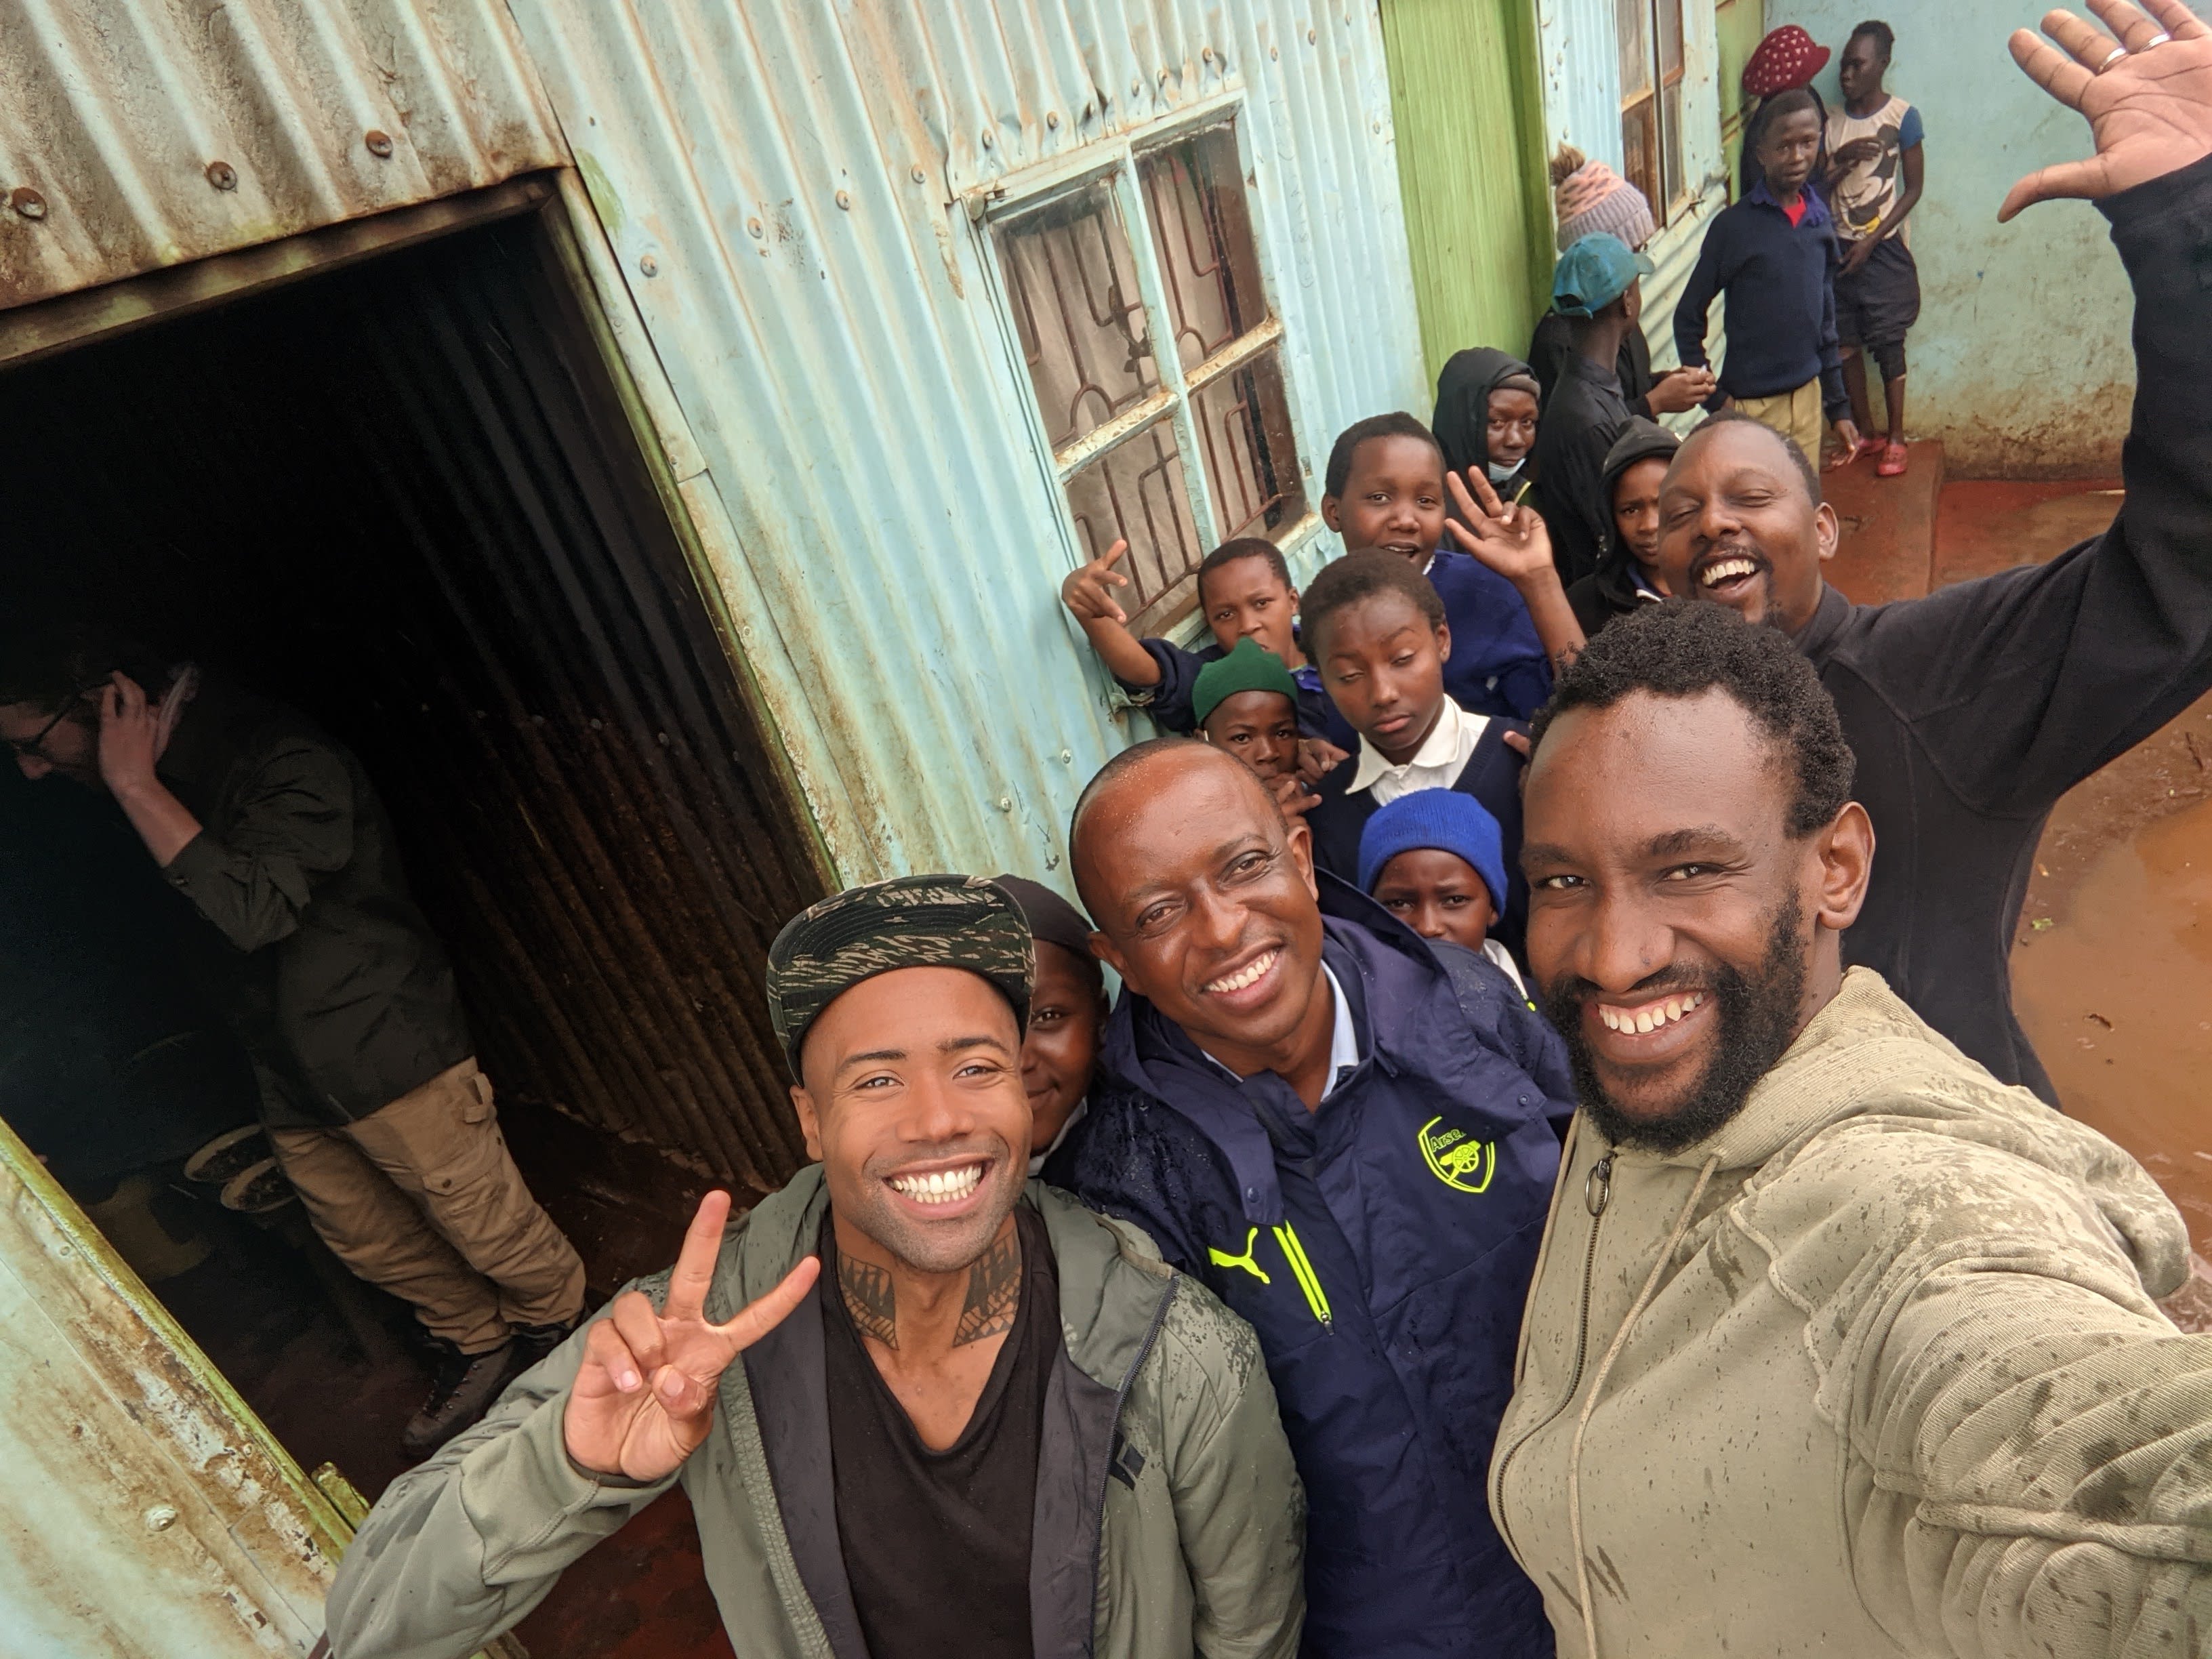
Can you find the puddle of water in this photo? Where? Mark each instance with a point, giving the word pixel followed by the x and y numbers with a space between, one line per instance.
pixel 2113 994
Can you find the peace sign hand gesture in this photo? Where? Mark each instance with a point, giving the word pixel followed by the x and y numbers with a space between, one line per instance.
pixel 2148 95
pixel 1510 539
pixel 644 1396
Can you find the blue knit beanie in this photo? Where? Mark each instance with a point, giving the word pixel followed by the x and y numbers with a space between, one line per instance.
pixel 1442 819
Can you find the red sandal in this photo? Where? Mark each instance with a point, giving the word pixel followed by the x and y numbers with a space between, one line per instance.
pixel 1894 461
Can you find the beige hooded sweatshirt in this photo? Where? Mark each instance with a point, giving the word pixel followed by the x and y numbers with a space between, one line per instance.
pixel 1875 1370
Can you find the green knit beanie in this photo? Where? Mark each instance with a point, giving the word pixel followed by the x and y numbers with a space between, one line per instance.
pixel 1251 668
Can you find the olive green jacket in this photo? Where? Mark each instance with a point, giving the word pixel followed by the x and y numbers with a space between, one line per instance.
pixel 1169 1518
pixel 1874 1369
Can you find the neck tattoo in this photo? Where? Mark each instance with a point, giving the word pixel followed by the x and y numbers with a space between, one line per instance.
pixel 994 1292
pixel 993 1296
pixel 869 1298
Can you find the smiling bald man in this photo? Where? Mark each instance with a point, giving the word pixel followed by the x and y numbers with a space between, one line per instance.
pixel 1343 1130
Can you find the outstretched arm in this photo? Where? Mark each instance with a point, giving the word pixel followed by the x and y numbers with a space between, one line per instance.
pixel 1088 593
pixel 2022 685
pixel 1513 542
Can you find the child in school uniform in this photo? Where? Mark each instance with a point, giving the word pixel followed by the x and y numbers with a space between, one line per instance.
pixel 1384 488
pixel 1380 637
pixel 1247 703
pixel 1245 590
pixel 1436 860
pixel 1773 254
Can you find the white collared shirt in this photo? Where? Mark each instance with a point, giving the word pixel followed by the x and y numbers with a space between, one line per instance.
pixel 1436 764
pixel 1343 1039
pixel 1074 1116
pixel 1503 957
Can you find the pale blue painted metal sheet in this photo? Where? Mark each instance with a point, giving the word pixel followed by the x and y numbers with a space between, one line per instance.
pixel 784 191
pixel 1581 63
pixel 148 1514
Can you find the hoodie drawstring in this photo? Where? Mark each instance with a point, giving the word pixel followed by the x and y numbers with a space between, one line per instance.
pixel 1589 1404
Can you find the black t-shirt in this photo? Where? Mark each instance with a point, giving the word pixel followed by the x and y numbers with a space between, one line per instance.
pixel 937 1543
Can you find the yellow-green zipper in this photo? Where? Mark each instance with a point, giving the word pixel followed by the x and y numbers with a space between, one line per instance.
pixel 1302 1269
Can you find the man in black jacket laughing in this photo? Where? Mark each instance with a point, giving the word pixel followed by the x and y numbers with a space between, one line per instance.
pixel 1973 709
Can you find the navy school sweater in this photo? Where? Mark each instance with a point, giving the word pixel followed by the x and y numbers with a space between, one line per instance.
pixel 1492 775
pixel 1496 665
pixel 1381 1247
pixel 1780 282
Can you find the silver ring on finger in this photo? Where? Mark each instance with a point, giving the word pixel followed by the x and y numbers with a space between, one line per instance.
pixel 2117 53
pixel 2158 40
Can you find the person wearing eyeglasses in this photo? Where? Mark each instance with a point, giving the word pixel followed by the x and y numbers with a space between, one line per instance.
pixel 376 1109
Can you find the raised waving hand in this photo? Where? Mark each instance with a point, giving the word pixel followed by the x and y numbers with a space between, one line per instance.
pixel 2145 90
pixel 644 1399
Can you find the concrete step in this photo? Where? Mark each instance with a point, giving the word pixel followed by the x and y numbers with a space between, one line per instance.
pixel 1887 549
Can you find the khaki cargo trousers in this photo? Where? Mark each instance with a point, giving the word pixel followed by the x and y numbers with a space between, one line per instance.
pixel 422 1199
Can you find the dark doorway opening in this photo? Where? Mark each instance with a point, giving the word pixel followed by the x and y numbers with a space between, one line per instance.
pixel 406 498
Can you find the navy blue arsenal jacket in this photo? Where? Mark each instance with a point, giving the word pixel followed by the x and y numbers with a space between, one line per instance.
pixel 1381 1246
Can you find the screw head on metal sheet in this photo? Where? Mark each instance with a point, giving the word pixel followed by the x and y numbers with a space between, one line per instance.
pixel 223 175
pixel 1052 117
pixel 1005 803
pixel 1311 36
pixel 27 202
pixel 160 1518
pixel 1274 54
pixel 1205 57
pixel 988 140
pixel 1137 89
pixel 755 229
pixel 1065 755
pixel 845 200
pixel 918 176
pixel 379 144
pixel 650 265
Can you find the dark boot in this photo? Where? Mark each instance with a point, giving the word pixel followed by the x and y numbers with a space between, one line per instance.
pixel 533 1342
pixel 463 1391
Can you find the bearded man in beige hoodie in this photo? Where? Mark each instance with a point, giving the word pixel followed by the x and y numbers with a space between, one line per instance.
pixel 1836 1345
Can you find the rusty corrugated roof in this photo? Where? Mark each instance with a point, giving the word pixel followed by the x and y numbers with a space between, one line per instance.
pixel 137 134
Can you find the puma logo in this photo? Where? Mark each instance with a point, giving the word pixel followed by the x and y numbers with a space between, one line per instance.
pixel 1247 1261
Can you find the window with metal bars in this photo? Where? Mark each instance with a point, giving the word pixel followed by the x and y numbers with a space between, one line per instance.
pixel 1650 33
pixel 1144 324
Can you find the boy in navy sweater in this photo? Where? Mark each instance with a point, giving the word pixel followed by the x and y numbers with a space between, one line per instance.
pixel 1385 489
pixel 1774 255
pixel 1381 639
pixel 1244 589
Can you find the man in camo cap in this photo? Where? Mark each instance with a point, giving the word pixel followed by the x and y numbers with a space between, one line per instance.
pixel 970 1416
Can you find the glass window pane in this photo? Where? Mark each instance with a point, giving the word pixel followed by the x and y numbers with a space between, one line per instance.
pixel 1640 149
pixel 1670 38
pixel 1631 21
pixel 1136 493
pixel 1202 232
pixel 1251 462
pixel 1670 149
pixel 1072 284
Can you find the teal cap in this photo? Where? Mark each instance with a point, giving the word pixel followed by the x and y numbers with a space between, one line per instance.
pixel 1594 273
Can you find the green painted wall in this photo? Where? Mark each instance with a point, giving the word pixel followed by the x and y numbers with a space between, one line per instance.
pixel 1469 111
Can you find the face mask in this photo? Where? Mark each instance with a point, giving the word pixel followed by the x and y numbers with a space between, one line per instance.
pixel 1499 472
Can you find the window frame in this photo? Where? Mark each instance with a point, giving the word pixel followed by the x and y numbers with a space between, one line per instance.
pixel 1666 206
pixel 1117 160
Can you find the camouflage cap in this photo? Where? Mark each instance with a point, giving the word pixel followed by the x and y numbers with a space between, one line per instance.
pixel 912 922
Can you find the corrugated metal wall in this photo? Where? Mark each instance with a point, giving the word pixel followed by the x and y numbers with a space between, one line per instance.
pixel 1581 58
pixel 782 186
pixel 1471 161
pixel 147 1511
pixel 136 134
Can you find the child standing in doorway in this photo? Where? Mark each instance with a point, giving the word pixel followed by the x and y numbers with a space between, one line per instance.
pixel 1873 181
pixel 1773 254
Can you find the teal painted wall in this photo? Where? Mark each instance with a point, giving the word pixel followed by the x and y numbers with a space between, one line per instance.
pixel 2021 363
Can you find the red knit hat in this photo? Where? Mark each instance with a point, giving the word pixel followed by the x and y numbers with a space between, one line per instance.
pixel 1787 57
